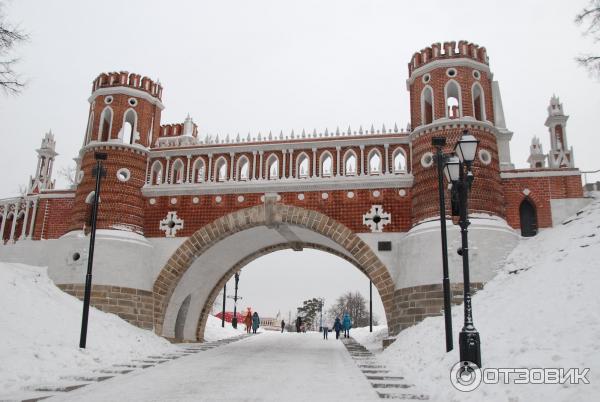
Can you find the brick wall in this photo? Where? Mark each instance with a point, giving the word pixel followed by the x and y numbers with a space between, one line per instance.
pixel 52 218
pixel 541 191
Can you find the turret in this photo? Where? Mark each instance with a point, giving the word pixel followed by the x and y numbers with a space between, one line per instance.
pixel 42 180
pixel 560 155
pixel 124 121
pixel 124 108
pixel 536 159
pixel 451 89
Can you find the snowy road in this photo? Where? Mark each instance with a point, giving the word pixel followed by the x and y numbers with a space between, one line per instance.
pixel 266 367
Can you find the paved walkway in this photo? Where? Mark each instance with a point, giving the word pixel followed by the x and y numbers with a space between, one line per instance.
pixel 265 367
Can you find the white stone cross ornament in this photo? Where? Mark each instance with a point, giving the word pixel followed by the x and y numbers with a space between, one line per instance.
pixel 171 224
pixel 376 218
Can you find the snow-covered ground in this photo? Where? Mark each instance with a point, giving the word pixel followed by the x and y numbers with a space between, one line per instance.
pixel 40 327
pixel 371 340
pixel 214 331
pixel 267 367
pixel 542 310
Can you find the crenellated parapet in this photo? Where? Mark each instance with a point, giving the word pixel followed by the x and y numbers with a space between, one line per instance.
pixel 126 79
pixel 448 50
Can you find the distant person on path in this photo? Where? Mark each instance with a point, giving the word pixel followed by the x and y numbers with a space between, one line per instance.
pixel 347 323
pixel 282 326
pixel 298 324
pixel 255 322
pixel 325 332
pixel 248 321
pixel 337 327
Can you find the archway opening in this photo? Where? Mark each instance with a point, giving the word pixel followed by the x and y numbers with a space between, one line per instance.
pixel 209 258
pixel 528 218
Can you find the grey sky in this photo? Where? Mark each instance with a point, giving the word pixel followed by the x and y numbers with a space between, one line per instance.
pixel 241 66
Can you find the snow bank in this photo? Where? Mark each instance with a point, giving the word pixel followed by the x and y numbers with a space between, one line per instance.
pixel 542 310
pixel 370 340
pixel 213 330
pixel 40 327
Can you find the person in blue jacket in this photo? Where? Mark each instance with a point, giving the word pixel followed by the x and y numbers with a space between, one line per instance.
pixel 337 327
pixel 347 323
pixel 255 322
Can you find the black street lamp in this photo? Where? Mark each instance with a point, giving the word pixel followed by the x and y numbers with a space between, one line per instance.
pixel 458 171
pixel 98 172
pixel 223 312
pixel 235 299
pixel 370 306
pixel 439 143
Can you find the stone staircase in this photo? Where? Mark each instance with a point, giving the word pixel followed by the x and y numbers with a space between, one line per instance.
pixel 71 383
pixel 386 384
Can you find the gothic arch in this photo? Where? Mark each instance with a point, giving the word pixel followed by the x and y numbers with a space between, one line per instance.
pixel 347 155
pixel 271 215
pixel 478 102
pixel 105 124
pixel 374 156
pixel 323 172
pixel 301 159
pixel 156 173
pixel 452 90
pixel 199 171
pixel 177 172
pixel 399 158
pixel 243 166
pixel 427 105
pixel 272 171
pixel 129 127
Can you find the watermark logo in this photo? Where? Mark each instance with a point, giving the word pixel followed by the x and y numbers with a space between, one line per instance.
pixel 466 376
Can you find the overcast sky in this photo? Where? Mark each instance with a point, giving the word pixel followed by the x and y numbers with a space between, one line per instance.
pixel 250 66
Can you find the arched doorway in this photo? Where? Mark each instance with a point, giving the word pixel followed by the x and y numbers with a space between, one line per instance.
pixel 181 317
pixel 528 218
pixel 208 258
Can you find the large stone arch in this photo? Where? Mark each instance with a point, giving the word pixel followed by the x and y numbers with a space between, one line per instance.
pixel 271 215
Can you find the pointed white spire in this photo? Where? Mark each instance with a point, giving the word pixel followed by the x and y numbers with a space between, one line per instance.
pixel 395 127
pixel 303 133
pixel 249 137
pixel 292 135
pixel 383 130
pixel 259 137
pixel 372 129
pixel 349 131
pixel 360 130
pixel 217 139
pixel 337 131
pixel 270 136
pixel 326 132
pixel 314 134
pixel 237 139
pixel 227 139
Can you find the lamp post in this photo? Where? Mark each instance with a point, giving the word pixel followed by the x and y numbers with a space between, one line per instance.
pixel 98 172
pixel 223 312
pixel 458 171
pixel 321 310
pixel 439 143
pixel 370 306
pixel 235 299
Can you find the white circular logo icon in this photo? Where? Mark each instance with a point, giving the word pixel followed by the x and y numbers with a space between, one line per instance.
pixel 465 376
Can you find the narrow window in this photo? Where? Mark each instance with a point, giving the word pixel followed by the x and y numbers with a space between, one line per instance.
pixel 198 171
pixel 302 169
pixel 177 173
pixel 129 127
pixel 221 170
pixel 244 167
pixel 427 105
pixel 374 163
pixel 273 166
pixel 105 124
pixel 478 103
pixel 399 162
pixel 453 106
pixel 156 177
pixel 326 165
pixel 350 165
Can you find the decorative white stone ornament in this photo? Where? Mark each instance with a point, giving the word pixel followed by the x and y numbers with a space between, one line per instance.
pixel 152 201
pixel 324 196
pixel 173 201
pixel 350 194
pixel 402 193
pixel 301 196
pixel 376 193
pixel 218 199
pixel 376 218
pixel 526 192
pixel 240 198
pixel 171 224
pixel 195 200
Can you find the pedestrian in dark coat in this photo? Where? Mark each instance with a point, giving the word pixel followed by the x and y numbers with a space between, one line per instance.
pixel 337 327
pixel 255 322
pixel 282 326
pixel 347 323
pixel 298 324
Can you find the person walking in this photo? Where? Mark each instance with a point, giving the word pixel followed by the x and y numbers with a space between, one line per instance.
pixel 282 326
pixel 325 332
pixel 255 322
pixel 248 321
pixel 347 323
pixel 337 327
pixel 298 323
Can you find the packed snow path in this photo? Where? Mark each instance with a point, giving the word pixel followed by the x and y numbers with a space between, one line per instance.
pixel 267 367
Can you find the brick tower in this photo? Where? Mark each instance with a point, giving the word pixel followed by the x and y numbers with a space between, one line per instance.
pixel 451 90
pixel 124 121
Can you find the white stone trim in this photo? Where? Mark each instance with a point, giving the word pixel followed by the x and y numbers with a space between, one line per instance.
pixel 283 185
pixel 445 63
pixel 126 91
pixel 540 173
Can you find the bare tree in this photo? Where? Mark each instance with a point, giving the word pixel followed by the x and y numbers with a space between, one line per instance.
pixel 10 36
pixel 355 305
pixel 590 18
pixel 67 173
